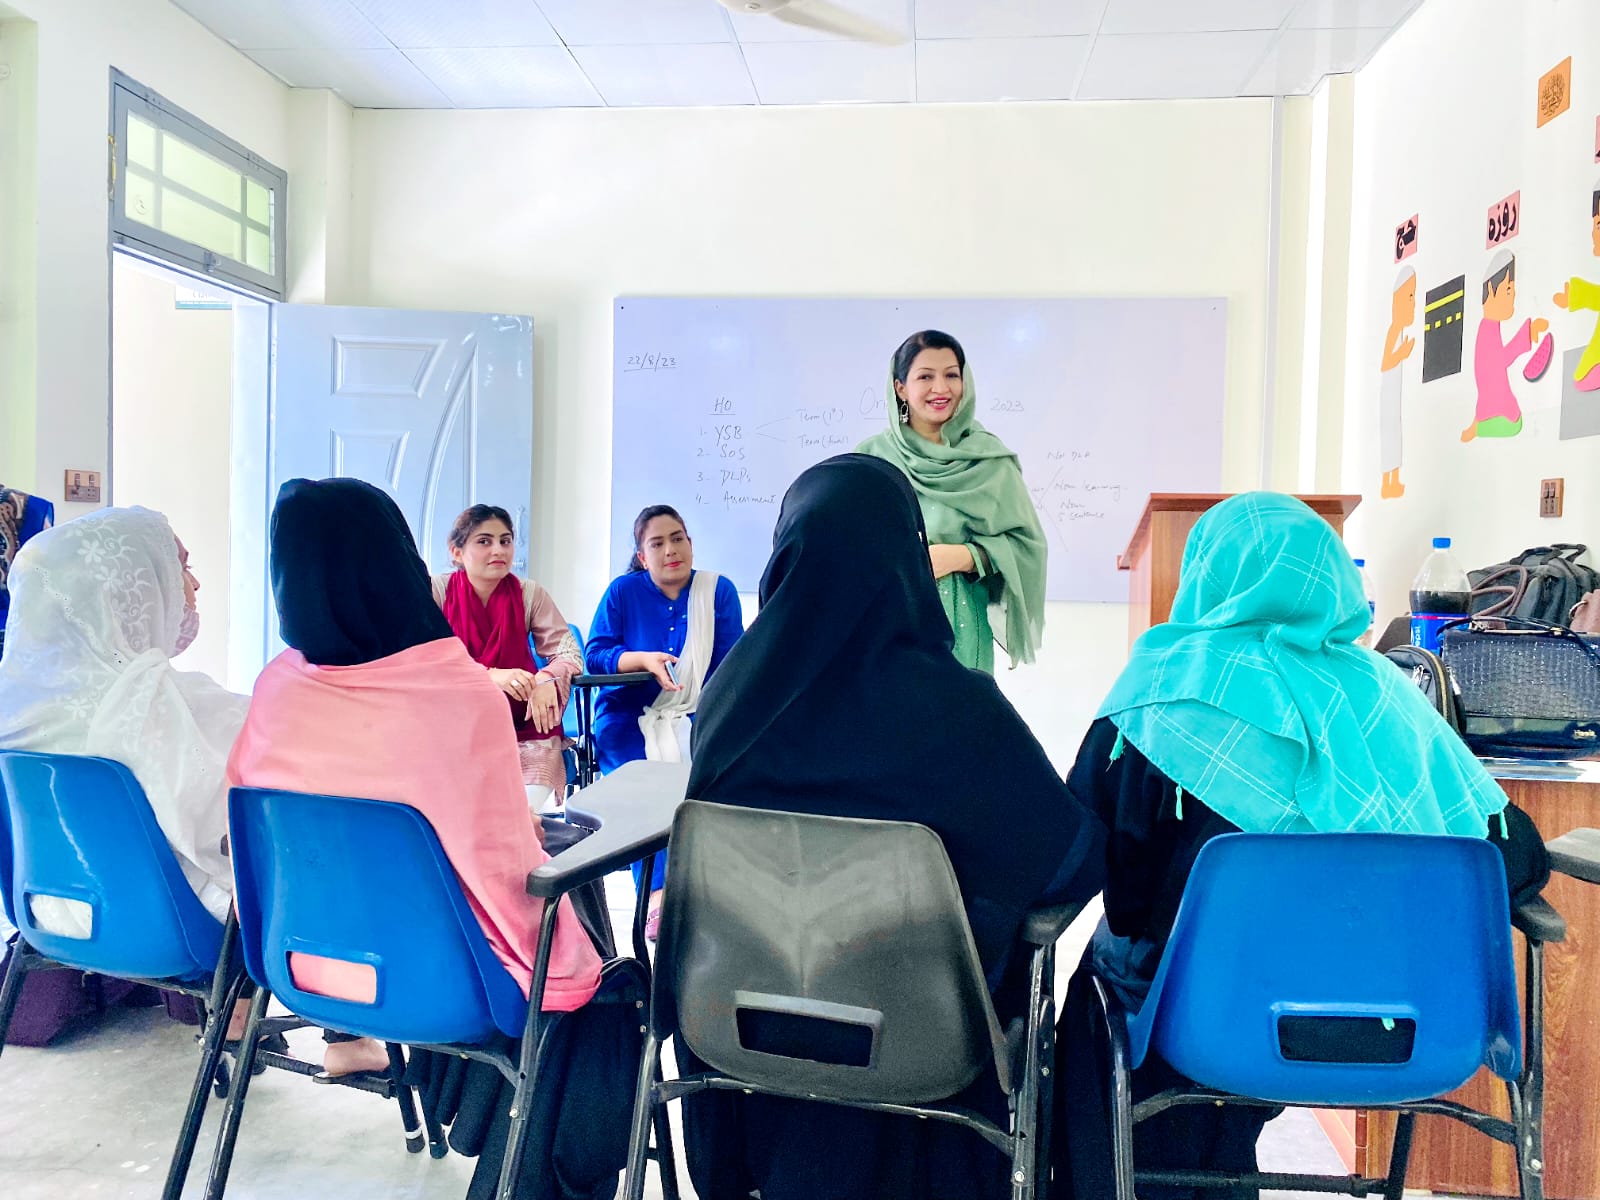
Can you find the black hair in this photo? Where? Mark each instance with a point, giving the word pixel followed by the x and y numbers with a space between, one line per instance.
pixel 928 339
pixel 641 523
pixel 1594 210
pixel 472 517
pixel 1496 281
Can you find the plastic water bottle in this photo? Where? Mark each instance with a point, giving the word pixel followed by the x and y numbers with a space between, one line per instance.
pixel 1440 594
pixel 1372 603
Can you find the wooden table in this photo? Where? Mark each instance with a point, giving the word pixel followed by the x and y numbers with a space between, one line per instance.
pixel 1446 1156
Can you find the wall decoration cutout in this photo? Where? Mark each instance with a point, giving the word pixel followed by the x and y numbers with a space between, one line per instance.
pixel 1555 91
pixel 1397 347
pixel 1498 414
pixel 1579 295
pixel 1505 220
pixel 1580 411
pixel 1597 139
pixel 1405 239
pixel 1443 317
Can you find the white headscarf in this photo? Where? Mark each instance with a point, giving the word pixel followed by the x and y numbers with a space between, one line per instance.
pixel 96 608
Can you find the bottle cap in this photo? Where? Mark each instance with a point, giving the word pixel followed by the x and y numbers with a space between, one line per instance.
pixel 1441 543
pixel 1360 562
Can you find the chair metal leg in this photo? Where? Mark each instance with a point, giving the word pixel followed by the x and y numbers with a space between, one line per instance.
pixel 643 1104
pixel 1529 1112
pixel 1025 1136
pixel 1047 1081
pixel 216 1032
pixel 532 1048
pixel 11 989
pixel 1399 1156
pixel 666 1153
pixel 233 1112
pixel 405 1099
pixel 1121 1094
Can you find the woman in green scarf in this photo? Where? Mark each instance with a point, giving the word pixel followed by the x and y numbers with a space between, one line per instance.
pixel 984 538
pixel 1251 709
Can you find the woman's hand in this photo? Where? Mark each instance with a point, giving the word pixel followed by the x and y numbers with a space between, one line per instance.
pixel 654 661
pixel 514 682
pixel 950 560
pixel 544 706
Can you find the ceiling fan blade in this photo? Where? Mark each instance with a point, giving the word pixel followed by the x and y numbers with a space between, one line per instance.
pixel 831 18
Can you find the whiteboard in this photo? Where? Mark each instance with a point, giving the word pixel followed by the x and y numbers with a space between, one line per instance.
pixel 718 404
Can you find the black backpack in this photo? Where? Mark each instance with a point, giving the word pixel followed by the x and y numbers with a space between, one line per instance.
pixel 1428 672
pixel 1542 584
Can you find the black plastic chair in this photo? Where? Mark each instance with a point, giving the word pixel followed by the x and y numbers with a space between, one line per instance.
pixel 583 690
pixel 785 932
pixel 1335 995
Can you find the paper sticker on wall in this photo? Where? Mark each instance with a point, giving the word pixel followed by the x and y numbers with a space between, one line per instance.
pixel 1505 220
pixel 1580 295
pixel 1498 413
pixel 1597 139
pixel 1580 411
pixel 1405 239
pixel 1443 318
pixel 1397 347
pixel 1555 91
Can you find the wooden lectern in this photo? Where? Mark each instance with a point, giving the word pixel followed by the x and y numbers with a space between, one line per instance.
pixel 1156 549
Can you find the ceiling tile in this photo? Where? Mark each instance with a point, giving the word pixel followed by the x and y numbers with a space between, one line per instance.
pixel 1336 14
pixel 667 75
pixel 890 14
pixel 1303 56
pixel 831 72
pixel 1194 16
pixel 1162 66
pixel 411 24
pixel 981 69
pixel 1007 18
pixel 508 77
pixel 365 78
pixel 286 24
pixel 635 22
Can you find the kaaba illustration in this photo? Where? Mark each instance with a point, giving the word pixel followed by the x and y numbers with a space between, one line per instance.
pixel 1443 318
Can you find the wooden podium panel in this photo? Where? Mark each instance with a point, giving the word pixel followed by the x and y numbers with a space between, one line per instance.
pixel 1155 551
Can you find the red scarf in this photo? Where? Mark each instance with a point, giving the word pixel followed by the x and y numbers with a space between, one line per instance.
pixel 496 635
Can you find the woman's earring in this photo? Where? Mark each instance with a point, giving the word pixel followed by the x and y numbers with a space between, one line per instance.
pixel 905 412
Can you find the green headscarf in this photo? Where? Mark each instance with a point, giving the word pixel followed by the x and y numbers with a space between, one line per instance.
pixel 971 491
pixel 1254 698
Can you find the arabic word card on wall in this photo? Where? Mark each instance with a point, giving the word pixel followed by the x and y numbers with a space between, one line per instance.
pixel 1405 239
pixel 1505 220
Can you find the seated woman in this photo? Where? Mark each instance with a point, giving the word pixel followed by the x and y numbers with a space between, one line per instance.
pixel 21 517
pixel 664 617
pixel 493 612
pixel 376 698
pixel 1251 709
pixel 100 607
pixel 847 701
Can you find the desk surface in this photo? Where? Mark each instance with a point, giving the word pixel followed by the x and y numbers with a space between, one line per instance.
pixel 631 811
pixel 1576 770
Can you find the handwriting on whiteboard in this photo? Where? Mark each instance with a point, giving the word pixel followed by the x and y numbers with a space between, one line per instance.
pixel 650 362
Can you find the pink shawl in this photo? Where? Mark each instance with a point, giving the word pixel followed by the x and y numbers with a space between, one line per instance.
pixel 424 727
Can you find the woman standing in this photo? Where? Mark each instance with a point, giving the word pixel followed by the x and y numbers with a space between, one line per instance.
pixel 664 617
pixel 494 613
pixel 984 537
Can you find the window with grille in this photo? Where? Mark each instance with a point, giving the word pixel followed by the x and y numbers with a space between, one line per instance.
pixel 184 193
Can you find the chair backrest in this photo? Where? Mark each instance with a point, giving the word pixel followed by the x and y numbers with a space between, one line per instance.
pixel 1294 953
pixel 81 829
pixel 822 955
pixel 365 882
pixel 569 715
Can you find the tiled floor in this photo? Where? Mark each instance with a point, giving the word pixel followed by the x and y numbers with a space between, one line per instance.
pixel 96 1115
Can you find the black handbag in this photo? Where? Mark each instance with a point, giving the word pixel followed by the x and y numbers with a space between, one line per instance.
pixel 1525 688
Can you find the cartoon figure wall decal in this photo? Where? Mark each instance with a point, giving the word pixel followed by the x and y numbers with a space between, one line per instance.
pixel 1397 347
pixel 1579 295
pixel 1443 319
pixel 1498 413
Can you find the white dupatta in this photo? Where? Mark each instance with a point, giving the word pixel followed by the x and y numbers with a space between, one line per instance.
pixel 665 724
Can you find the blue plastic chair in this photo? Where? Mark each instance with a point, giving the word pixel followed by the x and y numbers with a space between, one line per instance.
pixel 1335 994
pixel 81 829
pixel 367 882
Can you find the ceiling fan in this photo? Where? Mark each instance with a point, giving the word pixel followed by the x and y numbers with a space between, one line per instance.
pixel 821 15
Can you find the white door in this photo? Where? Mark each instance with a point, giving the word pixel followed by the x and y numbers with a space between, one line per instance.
pixel 436 408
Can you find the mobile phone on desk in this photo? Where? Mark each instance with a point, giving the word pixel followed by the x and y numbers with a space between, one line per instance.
pixel 672 673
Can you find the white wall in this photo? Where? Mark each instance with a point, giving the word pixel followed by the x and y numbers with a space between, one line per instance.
pixel 555 213
pixel 173 370
pixel 1444 127
pixel 54 414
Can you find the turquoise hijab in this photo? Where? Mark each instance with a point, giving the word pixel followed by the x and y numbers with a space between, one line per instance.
pixel 1254 698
